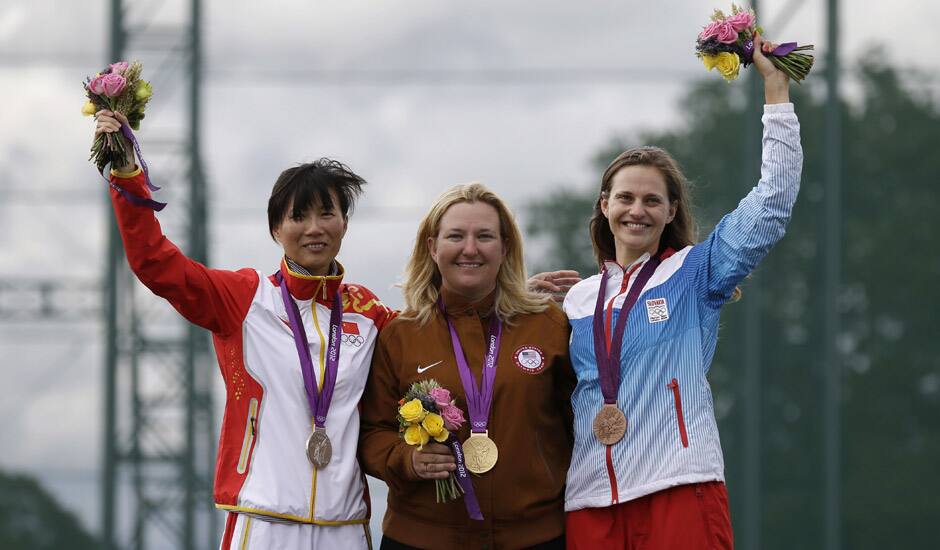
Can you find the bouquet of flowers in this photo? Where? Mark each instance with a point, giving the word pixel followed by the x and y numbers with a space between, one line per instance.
pixel 728 42
pixel 428 412
pixel 118 88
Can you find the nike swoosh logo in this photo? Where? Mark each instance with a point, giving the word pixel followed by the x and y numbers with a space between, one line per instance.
pixel 422 369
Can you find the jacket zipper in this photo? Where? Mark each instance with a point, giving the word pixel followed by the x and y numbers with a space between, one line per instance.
pixel 251 427
pixel 674 386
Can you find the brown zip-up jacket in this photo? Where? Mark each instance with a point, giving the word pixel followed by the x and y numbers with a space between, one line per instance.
pixel 522 497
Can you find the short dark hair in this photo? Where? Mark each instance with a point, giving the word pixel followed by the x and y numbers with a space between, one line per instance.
pixel 307 185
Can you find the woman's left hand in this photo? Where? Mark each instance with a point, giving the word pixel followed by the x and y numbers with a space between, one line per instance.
pixel 434 461
pixel 558 283
pixel 776 82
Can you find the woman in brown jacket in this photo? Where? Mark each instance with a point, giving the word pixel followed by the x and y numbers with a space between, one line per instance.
pixel 466 305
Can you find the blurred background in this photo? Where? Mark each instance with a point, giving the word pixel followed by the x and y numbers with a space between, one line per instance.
pixel 827 376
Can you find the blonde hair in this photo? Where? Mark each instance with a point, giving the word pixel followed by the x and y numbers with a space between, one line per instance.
pixel 422 283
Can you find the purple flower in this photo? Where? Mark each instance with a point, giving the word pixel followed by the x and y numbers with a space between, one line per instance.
pixel 113 84
pixel 441 398
pixel 96 85
pixel 119 67
pixel 453 417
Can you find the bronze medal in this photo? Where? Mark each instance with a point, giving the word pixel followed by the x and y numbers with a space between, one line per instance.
pixel 480 452
pixel 610 424
pixel 319 448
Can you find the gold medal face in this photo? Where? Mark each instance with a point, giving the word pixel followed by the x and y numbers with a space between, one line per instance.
pixel 319 449
pixel 480 453
pixel 610 424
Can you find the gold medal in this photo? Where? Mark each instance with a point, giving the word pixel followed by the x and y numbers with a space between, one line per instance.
pixel 610 424
pixel 319 448
pixel 480 452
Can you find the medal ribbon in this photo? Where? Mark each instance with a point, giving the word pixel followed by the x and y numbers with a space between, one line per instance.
pixel 319 405
pixel 479 401
pixel 608 362
pixel 463 479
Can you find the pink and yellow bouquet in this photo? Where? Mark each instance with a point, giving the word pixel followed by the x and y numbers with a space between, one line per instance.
pixel 728 42
pixel 428 412
pixel 118 88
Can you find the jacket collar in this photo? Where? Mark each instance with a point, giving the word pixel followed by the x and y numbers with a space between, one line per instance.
pixel 306 287
pixel 616 269
pixel 455 304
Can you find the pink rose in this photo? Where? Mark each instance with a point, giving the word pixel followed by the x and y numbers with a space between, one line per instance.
pixel 726 33
pixel 741 21
pixel 453 417
pixel 113 84
pixel 118 67
pixel 711 30
pixel 441 397
pixel 97 85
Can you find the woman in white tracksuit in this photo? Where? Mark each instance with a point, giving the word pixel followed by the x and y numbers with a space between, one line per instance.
pixel 294 348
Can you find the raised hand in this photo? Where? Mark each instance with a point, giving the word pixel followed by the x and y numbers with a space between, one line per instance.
pixel 109 122
pixel 776 82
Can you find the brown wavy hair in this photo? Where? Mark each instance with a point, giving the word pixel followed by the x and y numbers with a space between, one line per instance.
pixel 678 234
pixel 422 283
pixel 681 232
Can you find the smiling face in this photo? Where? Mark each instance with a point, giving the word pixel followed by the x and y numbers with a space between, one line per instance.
pixel 637 209
pixel 468 249
pixel 313 239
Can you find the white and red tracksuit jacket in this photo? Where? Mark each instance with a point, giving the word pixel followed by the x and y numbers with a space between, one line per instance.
pixel 262 468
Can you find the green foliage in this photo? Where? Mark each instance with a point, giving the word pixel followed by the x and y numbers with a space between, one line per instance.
pixel 31 519
pixel 889 345
pixel 563 219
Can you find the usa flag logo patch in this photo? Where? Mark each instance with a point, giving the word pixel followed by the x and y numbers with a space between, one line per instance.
pixel 656 310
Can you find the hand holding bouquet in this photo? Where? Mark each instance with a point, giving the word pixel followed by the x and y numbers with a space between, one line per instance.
pixel 428 412
pixel 728 42
pixel 118 88
pixel 119 94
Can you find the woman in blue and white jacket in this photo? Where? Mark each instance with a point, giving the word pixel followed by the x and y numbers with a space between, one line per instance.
pixel 647 465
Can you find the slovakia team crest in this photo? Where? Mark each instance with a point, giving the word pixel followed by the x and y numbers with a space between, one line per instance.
pixel 656 310
pixel 530 359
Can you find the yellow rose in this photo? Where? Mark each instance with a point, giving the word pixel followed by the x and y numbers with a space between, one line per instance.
pixel 434 424
pixel 442 437
pixel 728 65
pixel 710 61
pixel 415 435
pixel 412 411
pixel 89 108
pixel 143 91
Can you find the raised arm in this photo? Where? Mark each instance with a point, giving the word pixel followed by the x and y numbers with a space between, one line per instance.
pixel 214 299
pixel 743 237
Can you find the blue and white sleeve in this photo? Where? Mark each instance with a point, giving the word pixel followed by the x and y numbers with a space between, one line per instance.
pixel 743 237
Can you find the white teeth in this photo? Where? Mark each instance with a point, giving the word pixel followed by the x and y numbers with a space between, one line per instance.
pixel 635 225
pixel 469 265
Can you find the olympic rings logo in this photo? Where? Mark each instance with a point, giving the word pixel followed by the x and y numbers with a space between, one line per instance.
pixel 353 340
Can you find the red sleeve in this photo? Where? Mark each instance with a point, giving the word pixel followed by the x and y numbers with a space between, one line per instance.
pixel 214 299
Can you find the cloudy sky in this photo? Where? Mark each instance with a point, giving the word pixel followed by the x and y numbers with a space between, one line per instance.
pixel 414 95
